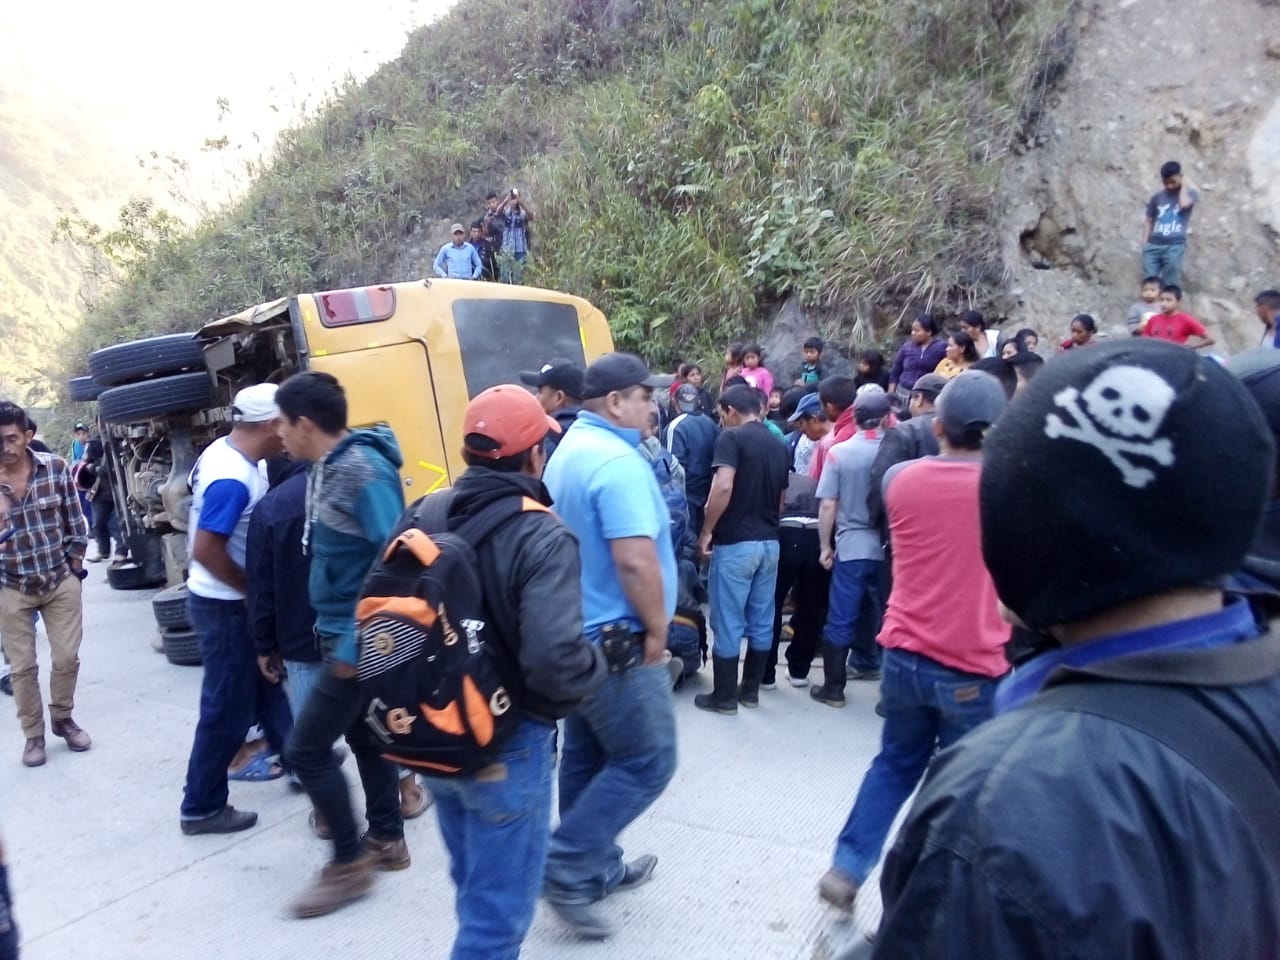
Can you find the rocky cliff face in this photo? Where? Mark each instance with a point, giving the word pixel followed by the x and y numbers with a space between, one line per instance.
pixel 1196 81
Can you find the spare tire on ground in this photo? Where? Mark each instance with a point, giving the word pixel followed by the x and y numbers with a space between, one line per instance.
pixel 130 576
pixel 83 389
pixel 170 608
pixel 181 647
pixel 186 392
pixel 127 362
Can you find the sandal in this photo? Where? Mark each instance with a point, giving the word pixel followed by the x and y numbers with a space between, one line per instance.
pixel 260 769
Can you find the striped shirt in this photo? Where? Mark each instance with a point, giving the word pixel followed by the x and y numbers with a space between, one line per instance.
pixel 50 528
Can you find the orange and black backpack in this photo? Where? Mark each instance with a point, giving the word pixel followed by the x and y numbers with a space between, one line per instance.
pixel 439 686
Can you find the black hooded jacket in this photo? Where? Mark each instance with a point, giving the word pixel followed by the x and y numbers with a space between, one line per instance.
pixel 532 581
pixel 276 570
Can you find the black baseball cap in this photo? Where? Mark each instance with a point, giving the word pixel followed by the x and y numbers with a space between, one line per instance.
pixel 560 375
pixel 617 371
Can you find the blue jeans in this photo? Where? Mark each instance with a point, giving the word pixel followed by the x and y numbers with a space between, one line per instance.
pixel 334 709
pixel 1163 260
pixel 231 693
pixel 742 580
pixel 855 590
pixel 493 820
pixel 926 705
pixel 300 677
pixel 619 755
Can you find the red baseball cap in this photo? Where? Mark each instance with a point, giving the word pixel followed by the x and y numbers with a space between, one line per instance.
pixel 508 415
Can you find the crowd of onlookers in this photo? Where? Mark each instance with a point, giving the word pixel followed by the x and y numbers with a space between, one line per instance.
pixel 494 247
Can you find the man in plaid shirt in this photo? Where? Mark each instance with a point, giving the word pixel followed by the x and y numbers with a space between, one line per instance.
pixel 43 538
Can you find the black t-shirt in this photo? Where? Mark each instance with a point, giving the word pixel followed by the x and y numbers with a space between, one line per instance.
pixel 761 463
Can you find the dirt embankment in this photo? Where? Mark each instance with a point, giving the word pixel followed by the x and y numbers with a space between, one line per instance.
pixel 1197 81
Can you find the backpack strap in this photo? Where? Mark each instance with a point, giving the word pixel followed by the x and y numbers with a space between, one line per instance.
pixel 480 526
pixel 1179 718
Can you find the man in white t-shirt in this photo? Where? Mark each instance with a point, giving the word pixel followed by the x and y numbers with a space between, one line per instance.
pixel 227 482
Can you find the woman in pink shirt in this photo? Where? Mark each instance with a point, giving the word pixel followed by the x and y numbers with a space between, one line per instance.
pixel 753 370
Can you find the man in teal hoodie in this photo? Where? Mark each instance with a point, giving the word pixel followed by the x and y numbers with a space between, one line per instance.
pixel 353 502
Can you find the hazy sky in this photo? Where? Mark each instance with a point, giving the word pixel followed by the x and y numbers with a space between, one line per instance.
pixel 152 71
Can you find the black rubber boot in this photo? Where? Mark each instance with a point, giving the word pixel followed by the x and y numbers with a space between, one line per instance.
pixel 752 672
pixel 831 692
pixel 723 696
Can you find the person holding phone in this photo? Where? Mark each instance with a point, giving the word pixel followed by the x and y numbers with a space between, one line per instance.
pixel 516 238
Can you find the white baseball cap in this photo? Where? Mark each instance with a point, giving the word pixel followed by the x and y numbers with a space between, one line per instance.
pixel 256 404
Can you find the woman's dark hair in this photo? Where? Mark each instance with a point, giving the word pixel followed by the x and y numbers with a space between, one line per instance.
pixel 973 318
pixel 874 360
pixel 318 397
pixel 928 322
pixel 735 352
pixel 688 369
pixel 965 343
pixel 1024 334
pixel 93 451
pixel 1019 346
pixel 1002 370
pixel 1085 321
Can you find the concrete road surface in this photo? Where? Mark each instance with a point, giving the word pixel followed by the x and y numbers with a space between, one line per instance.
pixel 100 869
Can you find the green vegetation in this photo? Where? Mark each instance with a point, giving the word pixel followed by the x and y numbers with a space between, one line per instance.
pixel 693 164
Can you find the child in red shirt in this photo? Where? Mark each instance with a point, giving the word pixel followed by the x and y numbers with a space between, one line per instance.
pixel 1175 326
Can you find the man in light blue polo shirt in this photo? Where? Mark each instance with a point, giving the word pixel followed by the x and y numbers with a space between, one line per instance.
pixel 619 749
pixel 458 259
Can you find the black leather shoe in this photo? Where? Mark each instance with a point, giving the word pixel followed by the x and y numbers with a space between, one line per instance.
pixel 226 820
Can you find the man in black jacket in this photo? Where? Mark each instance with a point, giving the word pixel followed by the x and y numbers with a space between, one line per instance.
pixel 691 439
pixel 559 386
pixel 497 823
pixel 1122 801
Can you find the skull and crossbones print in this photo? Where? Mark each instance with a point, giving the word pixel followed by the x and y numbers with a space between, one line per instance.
pixel 1119 414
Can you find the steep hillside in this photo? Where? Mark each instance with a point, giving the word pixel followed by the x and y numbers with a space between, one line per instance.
pixel 694 165
pixel 1192 80
pixel 48 160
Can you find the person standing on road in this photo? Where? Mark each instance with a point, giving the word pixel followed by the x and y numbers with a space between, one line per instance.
pixel 853 551
pixel 1164 235
pixel 226 484
pixel 691 439
pixel 102 500
pixel 43 539
pixel 496 822
pixel 943 637
pixel 740 536
pixel 458 259
pixel 620 745
pixel 353 504
pixel 1122 802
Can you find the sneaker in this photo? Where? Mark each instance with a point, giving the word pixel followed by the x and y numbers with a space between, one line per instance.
pixel 864 674
pixel 798 681
pixel 830 696
pixel 96 558
pixel 70 731
pixel 769 684
pixel 386 855
pixel 583 919
pixel 838 889
pixel 226 820
pixel 336 885
pixel 637 873
pixel 33 754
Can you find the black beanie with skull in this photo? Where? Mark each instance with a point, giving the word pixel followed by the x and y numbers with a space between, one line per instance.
pixel 1123 470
